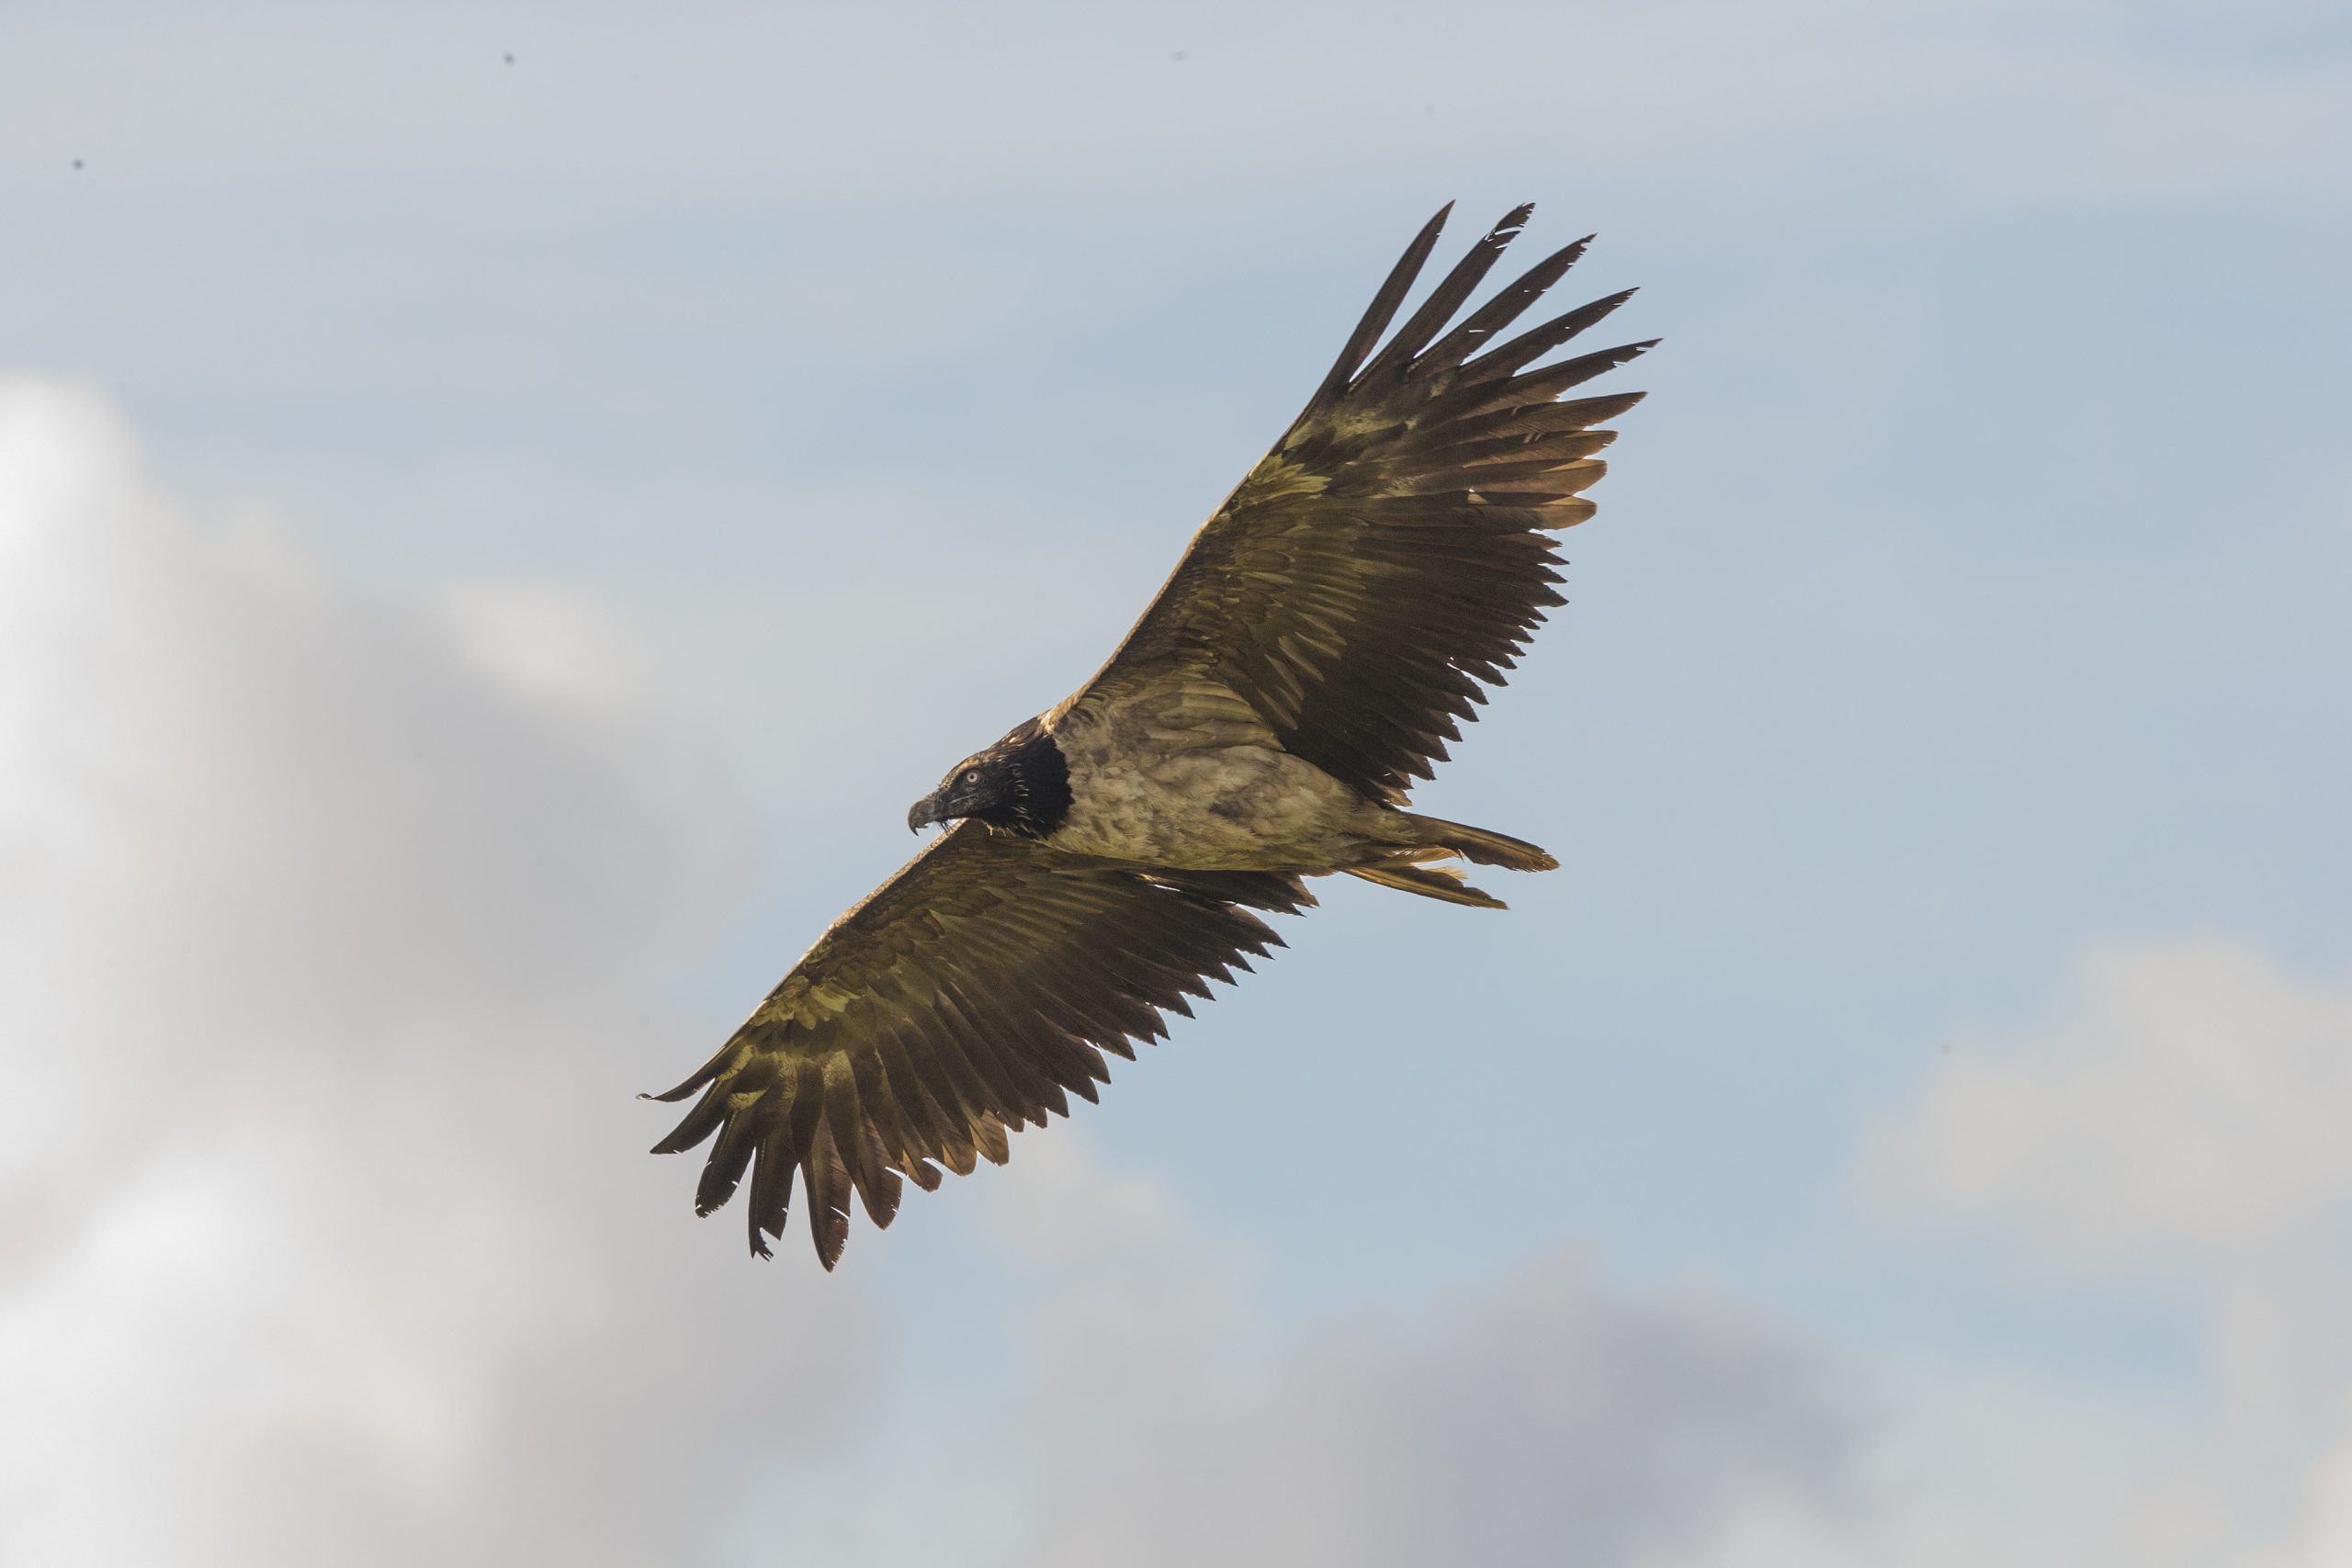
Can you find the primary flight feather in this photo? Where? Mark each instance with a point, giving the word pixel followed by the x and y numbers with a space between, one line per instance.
pixel 1304 664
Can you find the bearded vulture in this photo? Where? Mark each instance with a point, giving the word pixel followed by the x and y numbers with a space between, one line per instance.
pixel 1302 667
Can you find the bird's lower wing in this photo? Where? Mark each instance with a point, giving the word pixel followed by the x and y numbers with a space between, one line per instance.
pixel 963 997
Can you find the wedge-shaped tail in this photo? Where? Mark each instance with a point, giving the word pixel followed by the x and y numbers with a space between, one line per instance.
pixel 1481 846
pixel 1439 882
pixel 1441 840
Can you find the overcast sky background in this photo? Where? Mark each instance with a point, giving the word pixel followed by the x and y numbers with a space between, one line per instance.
pixel 502 506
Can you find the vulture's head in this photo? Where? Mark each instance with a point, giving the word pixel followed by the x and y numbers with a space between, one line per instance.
pixel 1019 784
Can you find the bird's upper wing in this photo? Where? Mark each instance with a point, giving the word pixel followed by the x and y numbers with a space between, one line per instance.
pixel 961 999
pixel 1387 555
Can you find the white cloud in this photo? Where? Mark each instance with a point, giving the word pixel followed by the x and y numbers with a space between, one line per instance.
pixel 1973 1461
pixel 1133 1313
pixel 2189 1103
pixel 325 1233
pixel 555 644
pixel 2179 1116
pixel 1542 1416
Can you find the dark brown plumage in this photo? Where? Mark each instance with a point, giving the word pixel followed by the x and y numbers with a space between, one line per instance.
pixel 1317 645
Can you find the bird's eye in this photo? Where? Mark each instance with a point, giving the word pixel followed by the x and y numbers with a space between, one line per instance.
pixel 971 776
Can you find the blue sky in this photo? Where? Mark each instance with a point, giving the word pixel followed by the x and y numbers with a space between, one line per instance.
pixel 495 544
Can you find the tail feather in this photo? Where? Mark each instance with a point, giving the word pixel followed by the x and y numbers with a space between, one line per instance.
pixel 1479 845
pixel 1443 884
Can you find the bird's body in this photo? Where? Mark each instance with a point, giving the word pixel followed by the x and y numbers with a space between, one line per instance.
pixel 1196 780
pixel 1211 808
pixel 1263 721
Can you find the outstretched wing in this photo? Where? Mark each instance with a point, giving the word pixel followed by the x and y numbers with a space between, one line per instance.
pixel 961 999
pixel 1388 556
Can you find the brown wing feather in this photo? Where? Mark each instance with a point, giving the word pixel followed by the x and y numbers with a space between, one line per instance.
pixel 1388 556
pixel 963 997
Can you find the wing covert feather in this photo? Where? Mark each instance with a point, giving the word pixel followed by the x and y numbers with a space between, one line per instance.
pixel 966 996
pixel 1388 556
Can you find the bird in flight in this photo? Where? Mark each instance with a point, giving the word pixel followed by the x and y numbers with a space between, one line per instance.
pixel 1263 722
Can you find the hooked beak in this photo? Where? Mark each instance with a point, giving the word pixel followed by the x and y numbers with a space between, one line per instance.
pixel 924 812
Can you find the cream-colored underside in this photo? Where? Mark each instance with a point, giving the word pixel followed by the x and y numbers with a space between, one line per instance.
pixel 1186 774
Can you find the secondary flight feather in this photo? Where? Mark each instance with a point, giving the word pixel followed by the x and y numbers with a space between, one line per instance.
pixel 1319 642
